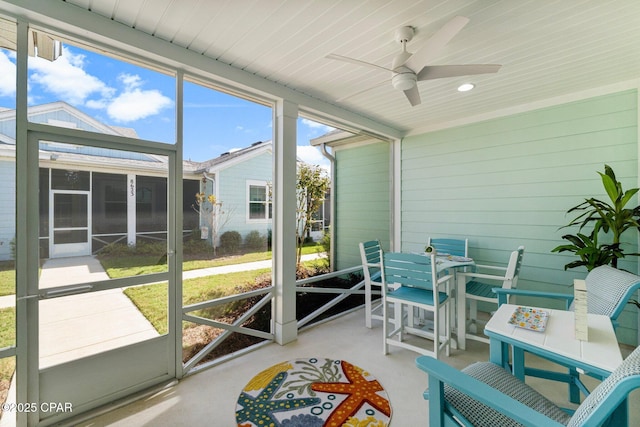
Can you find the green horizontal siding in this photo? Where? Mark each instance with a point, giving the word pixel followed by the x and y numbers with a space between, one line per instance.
pixel 509 181
pixel 233 192
pixel 362 210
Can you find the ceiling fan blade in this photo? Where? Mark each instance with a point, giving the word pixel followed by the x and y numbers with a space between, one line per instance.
pixel 413 95
pixel 436 42
pixel 431 72
pixel 351 95
pixel 356 61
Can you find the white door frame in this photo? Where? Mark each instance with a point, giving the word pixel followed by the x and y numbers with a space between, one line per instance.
pixel 58 250
pixel 90 382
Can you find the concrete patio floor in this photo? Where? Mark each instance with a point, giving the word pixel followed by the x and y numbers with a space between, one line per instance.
pixel 209 396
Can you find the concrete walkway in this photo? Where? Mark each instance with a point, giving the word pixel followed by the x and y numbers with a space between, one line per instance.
pixel 76 272
pixel 77 326
pixel 80 325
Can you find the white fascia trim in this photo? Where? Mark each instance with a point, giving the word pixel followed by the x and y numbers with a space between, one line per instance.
pixel 61 105
pixel 239 159
pixel 549 102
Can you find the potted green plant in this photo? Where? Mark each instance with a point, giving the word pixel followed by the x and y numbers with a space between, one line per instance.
pixel 611 216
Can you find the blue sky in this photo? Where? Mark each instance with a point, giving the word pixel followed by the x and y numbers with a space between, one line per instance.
pixel 125 95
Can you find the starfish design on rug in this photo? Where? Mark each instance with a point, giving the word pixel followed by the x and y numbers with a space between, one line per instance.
pixel 359 391
pixel 260 409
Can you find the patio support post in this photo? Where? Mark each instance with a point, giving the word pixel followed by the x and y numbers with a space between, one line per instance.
pixel 284 220
pixel 131 209
pixel 27 246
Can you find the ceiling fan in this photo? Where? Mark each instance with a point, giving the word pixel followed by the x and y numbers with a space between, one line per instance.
pixel 408 69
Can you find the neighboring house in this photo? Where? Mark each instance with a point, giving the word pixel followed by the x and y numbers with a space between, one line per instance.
pixel 240 180
pixel 96 196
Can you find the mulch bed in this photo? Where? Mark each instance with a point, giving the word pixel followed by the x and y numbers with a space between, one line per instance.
pixel 197 337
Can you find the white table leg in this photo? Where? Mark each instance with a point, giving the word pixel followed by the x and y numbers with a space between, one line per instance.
pixel 461 323
pixel 367 303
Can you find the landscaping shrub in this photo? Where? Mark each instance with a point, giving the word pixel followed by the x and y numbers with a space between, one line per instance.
pixel 197 246
pixel 141 248
pixel 230 241
pixel 255 241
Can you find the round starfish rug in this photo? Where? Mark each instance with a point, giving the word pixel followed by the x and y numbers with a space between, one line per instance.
pixel 313 392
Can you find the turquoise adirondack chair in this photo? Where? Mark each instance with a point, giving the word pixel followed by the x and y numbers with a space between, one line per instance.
pixel 370 257
pixel 480 284
pixel 455 247
pixel 486 395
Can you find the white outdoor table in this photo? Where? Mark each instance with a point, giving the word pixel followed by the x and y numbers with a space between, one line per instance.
pixel 458 312
pixel 597 357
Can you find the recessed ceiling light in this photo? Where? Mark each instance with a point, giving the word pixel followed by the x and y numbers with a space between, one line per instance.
pixel 465 87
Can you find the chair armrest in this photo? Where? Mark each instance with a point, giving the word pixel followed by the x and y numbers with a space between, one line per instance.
pixel 440 373
pixel 504 293
pixel 444 279
pixel 481 276
pixel 490 267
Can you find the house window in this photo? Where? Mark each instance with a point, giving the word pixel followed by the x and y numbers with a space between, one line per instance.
pixel 259 203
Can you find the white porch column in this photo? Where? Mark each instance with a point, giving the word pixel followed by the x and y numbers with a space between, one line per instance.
pixel 131 209
pixel 284 222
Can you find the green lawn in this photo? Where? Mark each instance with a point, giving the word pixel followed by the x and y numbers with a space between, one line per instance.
pixel 151 300
pixel 7 327
pixel 7 339
pixel 7 278
pixel 127 266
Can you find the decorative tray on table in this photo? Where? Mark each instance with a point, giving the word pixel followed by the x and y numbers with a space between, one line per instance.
pixel 533 319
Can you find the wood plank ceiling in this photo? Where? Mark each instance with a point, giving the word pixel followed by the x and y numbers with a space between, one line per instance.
pixel 547 48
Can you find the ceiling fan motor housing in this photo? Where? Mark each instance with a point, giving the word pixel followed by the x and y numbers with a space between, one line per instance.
pixel 404 79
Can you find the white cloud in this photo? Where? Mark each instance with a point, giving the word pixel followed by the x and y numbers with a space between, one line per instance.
pixel 130 81
pixel 66 78
pixel 316 126
pixel 8 73
pixel 97 104
pixel 313 156
pixel 309 130
pixel 137 104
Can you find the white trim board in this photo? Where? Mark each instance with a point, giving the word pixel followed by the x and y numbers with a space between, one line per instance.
pixel 549 102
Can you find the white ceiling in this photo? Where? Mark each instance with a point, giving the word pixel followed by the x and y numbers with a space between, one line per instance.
pixel 548 48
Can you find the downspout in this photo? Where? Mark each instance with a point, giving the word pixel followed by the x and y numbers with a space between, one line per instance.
pixel 208 178
pixel 213 189
pixel 332 227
